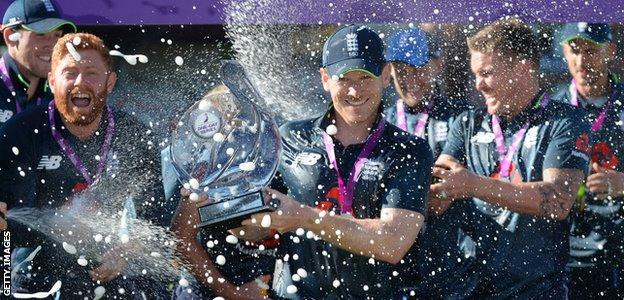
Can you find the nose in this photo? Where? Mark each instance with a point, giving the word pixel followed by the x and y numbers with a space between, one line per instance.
pixel 480 83
pixel 79 80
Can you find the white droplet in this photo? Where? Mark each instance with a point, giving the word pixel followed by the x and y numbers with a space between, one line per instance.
pixel 97 158
pixel 336 283
pixel 231 239
pixel 76 41
pixel 247 166
pixel 300 231
pixel 302 272
pixel 107 239
pixel 221 260
pixel 218 298
pixel 72 51
pixel 69 248
pixel 331 129
pixel 183 282
pixel 82 261
pixel 291 289
pixel 124 238
pixel 229 151
pixel 194 183
pixel 99 292
pixel 351 92
pixel 296 277
pixel 204 105
pixel 169 42
pixel 395 273
pixel 121 291
pixel 218 137
pixel 15 150
pixel 179 60
pixel 371 261
pixel 210 244
pixel 365 287
pixel 142 58
pixel 98 237
pixel 194 197
pixel 155 254
pixel 266 221
pixel 187 186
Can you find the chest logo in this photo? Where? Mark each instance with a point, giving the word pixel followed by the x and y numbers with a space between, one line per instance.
pixel 372 170
pixel 307 158
pixel 440 130
pixel 531 137
pixel 482 137
pixel 5 115
pixel 49 162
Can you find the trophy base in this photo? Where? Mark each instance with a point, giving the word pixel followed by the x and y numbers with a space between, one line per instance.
pixel 229 214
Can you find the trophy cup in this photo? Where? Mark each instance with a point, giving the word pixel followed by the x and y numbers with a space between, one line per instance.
pixel 229 148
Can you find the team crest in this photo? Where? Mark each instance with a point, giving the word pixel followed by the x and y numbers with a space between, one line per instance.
pixel 372 170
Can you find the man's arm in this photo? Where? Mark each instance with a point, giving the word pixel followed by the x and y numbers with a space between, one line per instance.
pixel 552 197
pixel 387 238
pixel 200 263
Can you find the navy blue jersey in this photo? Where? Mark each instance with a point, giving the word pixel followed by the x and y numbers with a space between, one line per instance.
pixel 396 175
pixel 35 172
pixel 447 256
pixel 8 107
pixel 443 113
pixel 597 233
pixel 528 253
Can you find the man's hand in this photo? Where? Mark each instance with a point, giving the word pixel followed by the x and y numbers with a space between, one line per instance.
pixel 251 290
pixel 112 266
pixel 457 182
pixel 3 216
pixel 289 215
pixel 605 182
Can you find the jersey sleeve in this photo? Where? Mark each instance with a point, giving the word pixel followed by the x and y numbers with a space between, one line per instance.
pixel 570 143
pixel 18 178
pixel 409 178
pixel 455 141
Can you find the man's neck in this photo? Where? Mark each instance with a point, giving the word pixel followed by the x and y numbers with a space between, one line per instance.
pixel 83 132
pixel 602 88
pixel 33 81
pixel 350 133
pixel 419 106
pixel 524 99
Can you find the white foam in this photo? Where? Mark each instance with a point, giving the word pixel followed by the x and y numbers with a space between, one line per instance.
pixel 266 221
pixel 221 260
pixel 247 166
pixel 15 150
pixel 69 248
pixel 82 261
pixel 72 51
pixel 99 292
pixel 231 239
pixel 331 129
pixel 179 60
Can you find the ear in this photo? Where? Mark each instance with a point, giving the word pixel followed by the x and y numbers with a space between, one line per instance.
pixel 51 81
pixel 325 78
pixel 110 83
pixel 386 73
pixel 9 35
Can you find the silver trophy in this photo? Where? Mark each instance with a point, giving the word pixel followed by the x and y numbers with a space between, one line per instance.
pixel 229 148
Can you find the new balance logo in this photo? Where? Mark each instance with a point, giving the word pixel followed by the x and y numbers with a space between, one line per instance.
pixel 307 158
pixel 51 162
pixel 5 115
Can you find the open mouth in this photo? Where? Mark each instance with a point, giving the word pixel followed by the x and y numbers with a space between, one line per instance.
pixel 81 100
pixel 45 58
pixel 356 102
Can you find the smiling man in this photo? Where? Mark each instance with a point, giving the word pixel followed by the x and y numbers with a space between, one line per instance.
pixel 520 162
pixel 30 29
pixel 596 254
pixel 357 185
pixel 77 143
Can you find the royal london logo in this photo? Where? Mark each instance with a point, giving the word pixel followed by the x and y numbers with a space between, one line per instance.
pixel 352 44
pixel 49 162
pixel 372 170
pixel 5 115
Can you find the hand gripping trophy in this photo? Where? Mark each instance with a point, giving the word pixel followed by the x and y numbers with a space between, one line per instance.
pixel 229 148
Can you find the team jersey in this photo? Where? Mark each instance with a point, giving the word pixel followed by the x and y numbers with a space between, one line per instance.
pixel 396 174
pixel 9 96
pixel 597 230
pixel 35 172
pixel 440 117
pixel 527 254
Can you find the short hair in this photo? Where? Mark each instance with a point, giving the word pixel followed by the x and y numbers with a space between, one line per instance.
pixel 87 41
pixel 509 37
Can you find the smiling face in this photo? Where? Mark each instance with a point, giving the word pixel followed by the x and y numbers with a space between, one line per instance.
pixel 415 85
pixel 500 82
pixel 33 51
pixel 588 61
pixel 356 95
pixel 80 87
